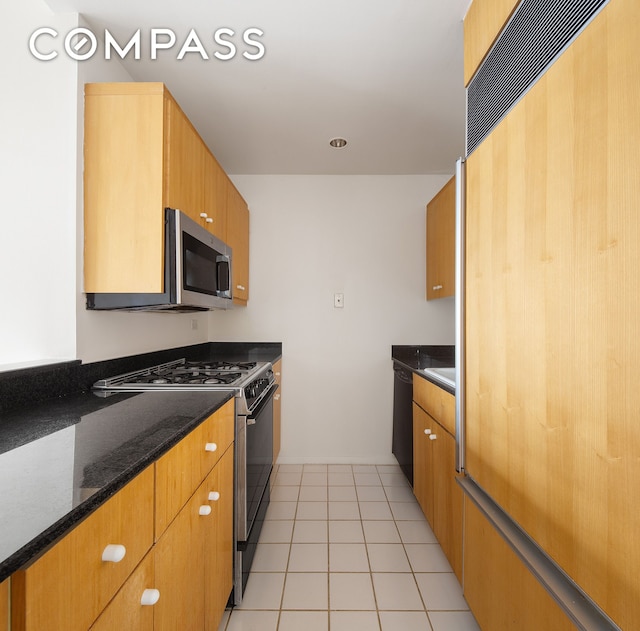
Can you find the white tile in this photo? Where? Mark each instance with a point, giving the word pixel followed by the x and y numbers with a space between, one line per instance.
pixel 371 494
pixel 307 620
pixel 313 494
pixel 416 532
pixel 380 532
pixel 406 511
pixel 427 557
pixel 309 557
pixel 276 531
pixel 351 591
pixel 453 621
pixel 345 532
pixel 314 479
pixel 288 479
pixel 367 479
pixel 396 592
pixel 281 510
pixel 340 479
pixel 289 468
pixel 389 468
pixel 310 531
pixel 284 493
pixel 306 591
pixel 271 557
pixel 264 591
pixel 340 468
pixel 253 620
pixel 404 621
pixel 388 557
pixel 312 510
pixel 315 468
pixel 344 510
pixel 441 592
pixel 364 468
pixel 342 494
pixel 375 511
pixel 399 494
pixel 348 557
pixel 354 621
pixel 394 479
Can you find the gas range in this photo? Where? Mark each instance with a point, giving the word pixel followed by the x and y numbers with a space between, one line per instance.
pixel 249 380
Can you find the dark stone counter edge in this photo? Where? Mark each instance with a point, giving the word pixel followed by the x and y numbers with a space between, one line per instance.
pixel 416 358
pixel 46 539
pixel 27 386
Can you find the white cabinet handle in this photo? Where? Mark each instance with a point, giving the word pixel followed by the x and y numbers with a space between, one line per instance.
pixel 214 496
pixel 436 287
pixel 210 447
pixel 149 597
pixel 209 220
pixel 276 397
pixel 204 510
pixel 203 215
pixel 240 287
pixel 432 437
pixel 114 553
pixel 427 431
pixel 277 373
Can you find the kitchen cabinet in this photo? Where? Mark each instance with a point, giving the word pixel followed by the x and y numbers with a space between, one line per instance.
pixel 69 586
pixel 434 470
pixel 4 606
pixel 277 410
pixel 501 591
pixel 142 154
pixel 441 242
pixel 483 22
pixel 552 297
pixel 238 239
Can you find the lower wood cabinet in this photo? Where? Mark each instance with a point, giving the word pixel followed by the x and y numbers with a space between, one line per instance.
pixel 4 606
pixel 277 410
pixel 502 593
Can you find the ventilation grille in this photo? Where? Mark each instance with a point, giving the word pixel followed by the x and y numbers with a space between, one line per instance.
pixel 535 35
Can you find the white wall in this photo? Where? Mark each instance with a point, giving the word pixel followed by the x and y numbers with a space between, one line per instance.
pixel 312 236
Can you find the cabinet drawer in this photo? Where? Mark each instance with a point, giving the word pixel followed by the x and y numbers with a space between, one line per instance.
pixel 126 611
pixel 437 402
pixel 70 585
pixel 181 470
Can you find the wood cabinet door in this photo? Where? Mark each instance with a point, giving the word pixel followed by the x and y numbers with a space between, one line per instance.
pixel 441 242
pixel 126 611
pixel 277 410
pixel 216 183
pixel 68 587
pixel 4 606
pixel 238 239
pixel 184 164
pixel 423 462
pixel 218 542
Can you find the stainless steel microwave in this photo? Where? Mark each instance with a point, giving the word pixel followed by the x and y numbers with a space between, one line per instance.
pixel 197 273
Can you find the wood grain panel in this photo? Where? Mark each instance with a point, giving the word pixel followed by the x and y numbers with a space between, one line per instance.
pixel 437 402
pixel 277 411
pixel 482 25
pixel 67 587
pixel 553 296
pixel 238 239
pixel 4 606
pixel 500 590
pixel 215 196
pixel 441 242
pixel 123 196
pixel 423 462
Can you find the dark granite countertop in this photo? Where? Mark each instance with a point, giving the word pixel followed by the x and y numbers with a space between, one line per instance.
pixel 64 451
pixel 416 358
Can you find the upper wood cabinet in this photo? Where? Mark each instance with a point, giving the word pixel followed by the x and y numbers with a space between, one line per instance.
pixel 482 24
pixel 142 154
pixel 441 242
pixel 238 239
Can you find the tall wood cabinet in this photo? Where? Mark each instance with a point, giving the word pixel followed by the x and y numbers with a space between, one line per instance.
pixel 552 303
pixel 141 155
pixel 441 242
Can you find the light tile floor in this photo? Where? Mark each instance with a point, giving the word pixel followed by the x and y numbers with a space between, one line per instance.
pixel 347 547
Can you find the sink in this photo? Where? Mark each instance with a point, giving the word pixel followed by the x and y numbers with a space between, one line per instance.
pixel 446 375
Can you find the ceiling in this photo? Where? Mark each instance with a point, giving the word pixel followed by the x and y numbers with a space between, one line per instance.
pixel 387 76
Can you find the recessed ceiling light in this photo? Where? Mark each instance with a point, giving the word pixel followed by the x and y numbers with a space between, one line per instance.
pixel 338 143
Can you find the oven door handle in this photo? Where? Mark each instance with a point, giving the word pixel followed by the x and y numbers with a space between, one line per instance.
pixel 251 417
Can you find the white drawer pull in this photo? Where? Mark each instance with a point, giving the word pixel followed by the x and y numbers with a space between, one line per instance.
pixel 240 287
pixel 276 397
pixel 203 215
pixel 209 220
pixel 114 553
pixel 210 447
pixel 427 431
pixel 432 437
pixel 149 597
pixel 214 496
pixel 205 510
pixel 436 287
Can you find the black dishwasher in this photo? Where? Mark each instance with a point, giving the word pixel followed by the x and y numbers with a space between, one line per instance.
pixel 402 443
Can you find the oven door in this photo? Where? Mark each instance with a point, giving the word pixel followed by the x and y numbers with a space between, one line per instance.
pixel 254 444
